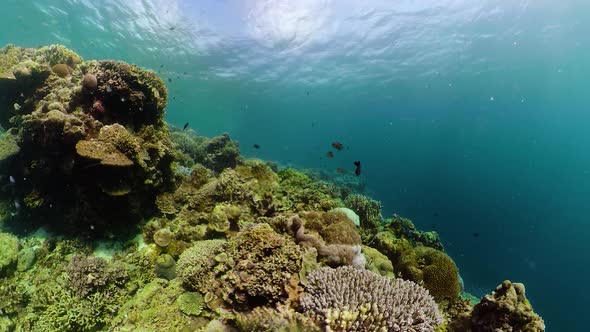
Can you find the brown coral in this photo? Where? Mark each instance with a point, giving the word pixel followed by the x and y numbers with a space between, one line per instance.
pixel 506 309
pixel 104 152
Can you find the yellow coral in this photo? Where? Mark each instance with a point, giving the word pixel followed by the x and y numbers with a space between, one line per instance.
pixel 104 152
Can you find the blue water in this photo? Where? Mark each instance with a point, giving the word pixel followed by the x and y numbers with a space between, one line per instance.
pixel 468 116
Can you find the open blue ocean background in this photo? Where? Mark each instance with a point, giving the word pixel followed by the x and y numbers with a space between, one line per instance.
pixel 471 118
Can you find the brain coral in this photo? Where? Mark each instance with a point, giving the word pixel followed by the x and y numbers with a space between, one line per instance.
pixel 348 299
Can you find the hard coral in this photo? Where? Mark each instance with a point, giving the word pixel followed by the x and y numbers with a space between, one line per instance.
pixel 506 309
pixel 333 254
pixel 434 269
pixel 255 268
pixel 83 140
pixel 265 319
pixel 368 210
pixel 348 299
pixel 87 275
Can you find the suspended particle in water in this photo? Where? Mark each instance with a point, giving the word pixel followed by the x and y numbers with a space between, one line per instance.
pixel 109 89
pixel 492 98
pixel 122 99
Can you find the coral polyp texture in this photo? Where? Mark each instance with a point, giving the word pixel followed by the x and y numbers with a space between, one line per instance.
pixel 349 299
pixel 155 228
pixel 93 148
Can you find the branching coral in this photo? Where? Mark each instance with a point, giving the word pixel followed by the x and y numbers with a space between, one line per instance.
pixel 348 299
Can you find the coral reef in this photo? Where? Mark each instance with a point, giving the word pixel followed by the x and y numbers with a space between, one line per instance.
pixel 369 212
pixel 404 228
pixel 506 309
pixel 332 254
pixel 93 148
pixel 348 299
pixel 152 230
pixel 264 319
pixel 255 268
pixel 8 253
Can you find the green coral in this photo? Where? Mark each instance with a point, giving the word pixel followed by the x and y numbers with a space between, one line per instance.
pixel 9 246
pixel 435 269
pixel 377 262
pixel 265 319
pixel 254 268
pixel 190 303
pixel 403 227
pixel 368 210
pixel 156 308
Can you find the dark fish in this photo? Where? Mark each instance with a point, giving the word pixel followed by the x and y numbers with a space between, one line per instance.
pixel 308 93
pixel 435 214
pixel 161 66
pixel 169 79
pixel 340 170
pixel 357 171
pixel 337 145
pixel 185 126
pixel 256 146
pixel 475 234
pixel 185 73
pixel 171 28
pixel 330 154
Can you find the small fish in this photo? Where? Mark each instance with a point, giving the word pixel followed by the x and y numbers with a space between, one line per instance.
pixel 171 28
pixel 185 126
pixel 169 80
pixel 256 146
pixel 337 145
pixel 11 179
pixel 340 170
pixel 161 66
pixel 308 93
pixel 435 214
pixel 330 154
pixel 16 204
pixel 357 171
pixel 475 234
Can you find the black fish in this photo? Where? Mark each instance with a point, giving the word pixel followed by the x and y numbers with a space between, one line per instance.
pixel 185 126
pixel 256 146
pixel 475 234
pixel 171 28
pixel 308 93
pixel 357 171
pixel 161 66
pixel 169 80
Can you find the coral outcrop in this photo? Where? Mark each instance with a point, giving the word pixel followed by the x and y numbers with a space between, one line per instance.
pixel 86 142
pixel 506 309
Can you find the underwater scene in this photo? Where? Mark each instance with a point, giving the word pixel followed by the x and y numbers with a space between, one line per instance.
pixel 294 165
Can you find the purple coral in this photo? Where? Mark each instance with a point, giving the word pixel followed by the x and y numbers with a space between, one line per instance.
pixel 349 299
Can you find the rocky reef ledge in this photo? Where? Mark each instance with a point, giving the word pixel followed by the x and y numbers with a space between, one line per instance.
pixel 111 220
